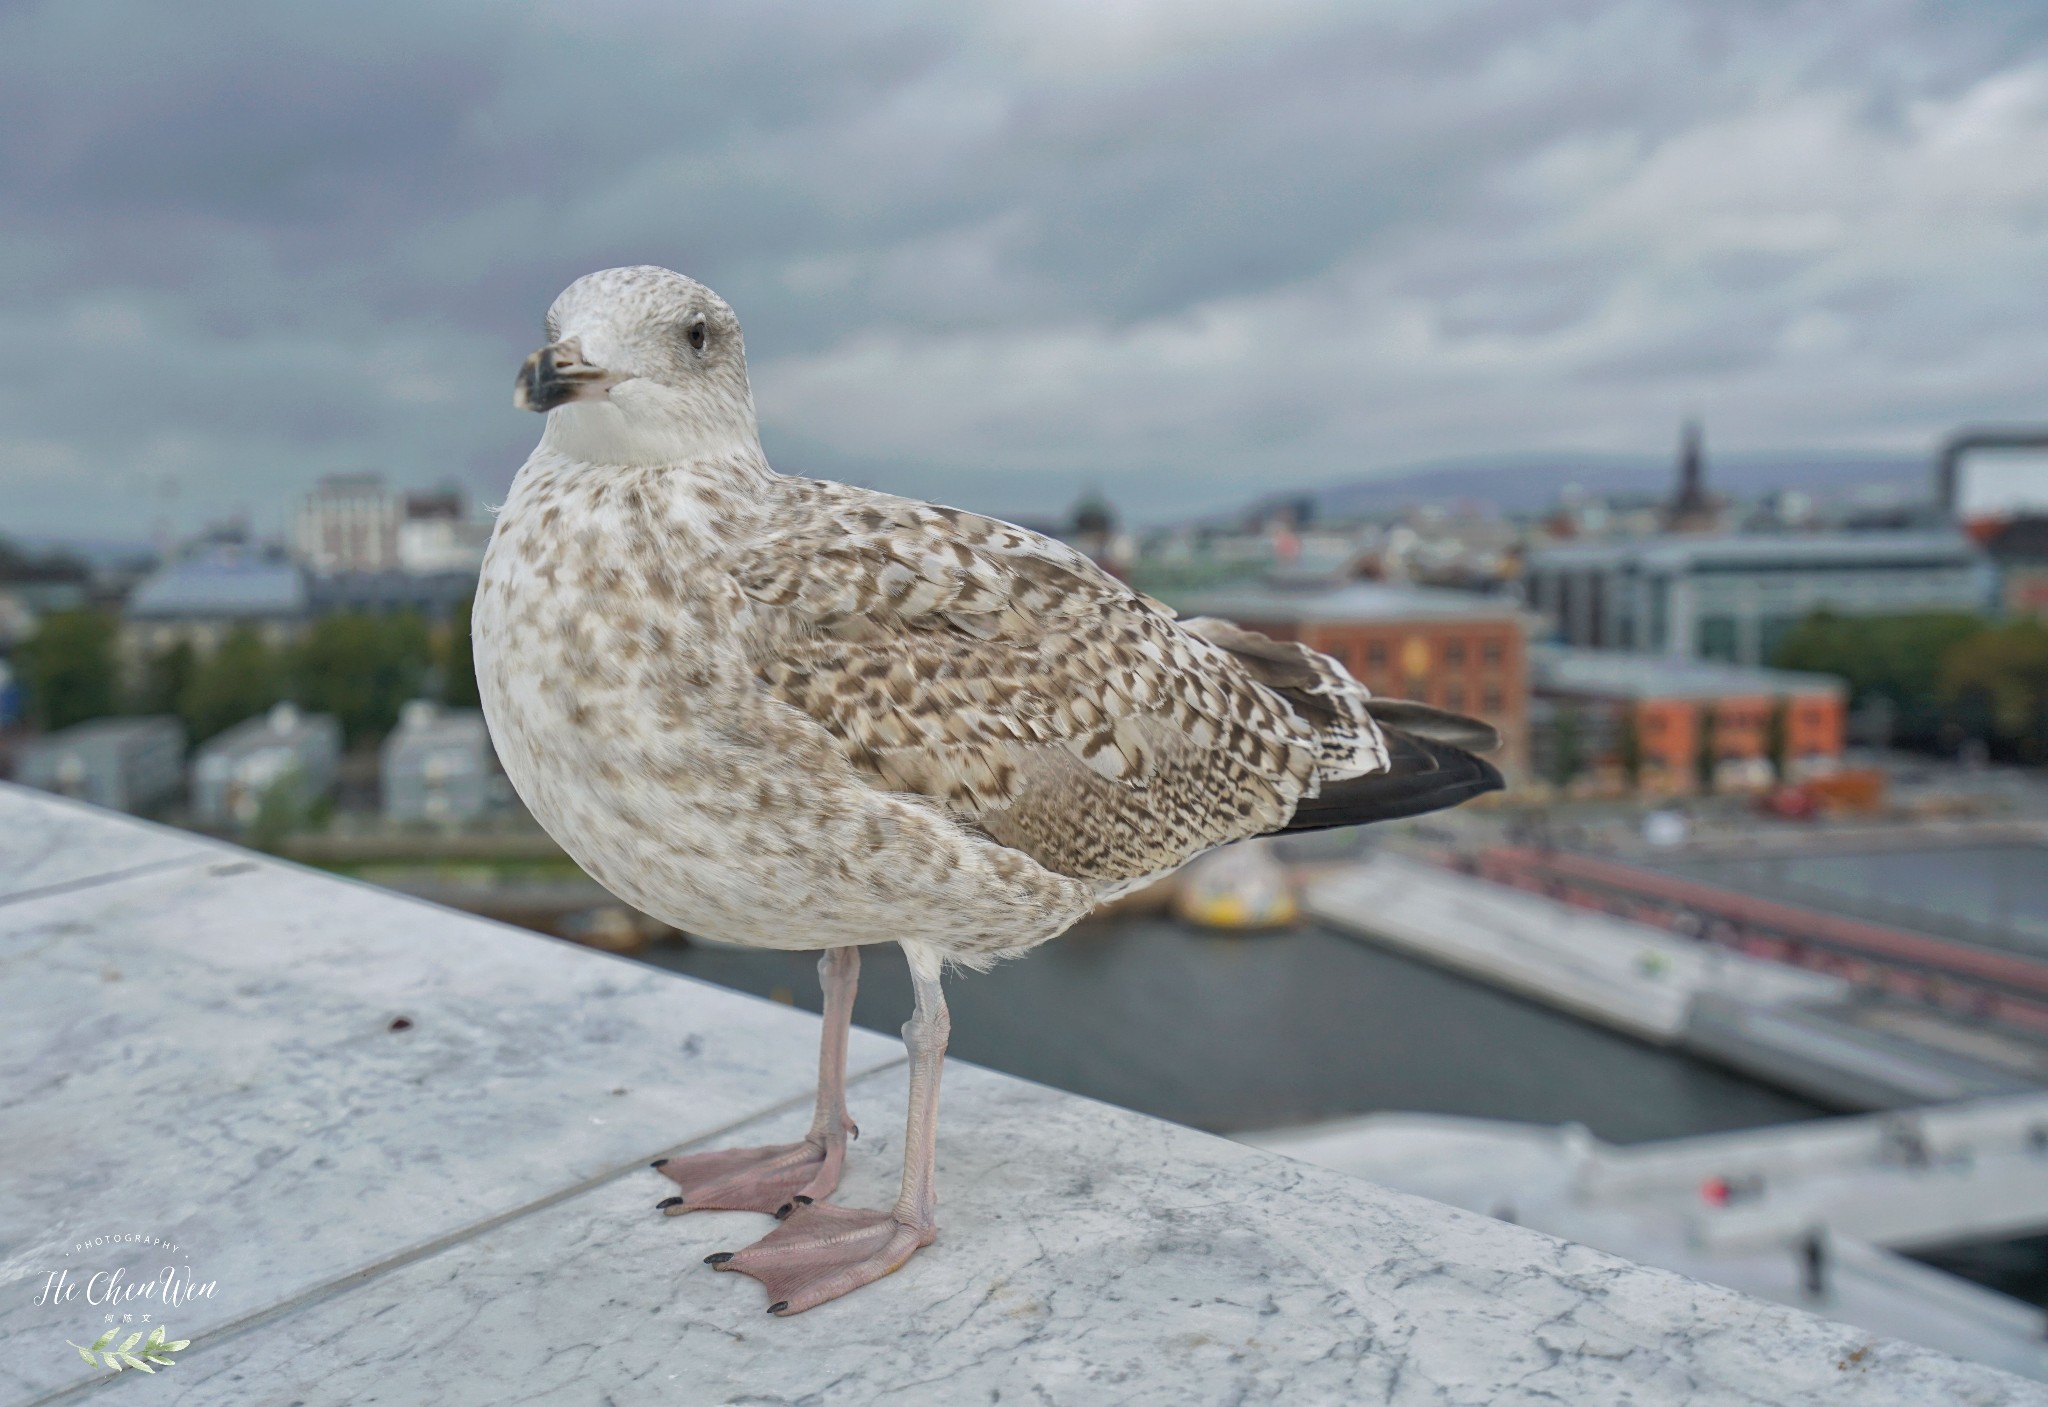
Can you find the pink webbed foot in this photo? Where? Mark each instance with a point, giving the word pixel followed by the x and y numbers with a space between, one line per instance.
pixel 774 1180
pixel 820 1252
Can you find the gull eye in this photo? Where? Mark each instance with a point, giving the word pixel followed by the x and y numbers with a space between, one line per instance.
pixel 697 335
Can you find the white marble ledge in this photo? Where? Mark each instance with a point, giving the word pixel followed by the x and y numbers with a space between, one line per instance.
pixel 204 1055
pixel 1088 1255
pixel 48 842
pixel 454 1212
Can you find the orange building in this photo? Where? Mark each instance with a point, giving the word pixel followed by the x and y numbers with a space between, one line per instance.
pixel 1681 715
pixel 1452 649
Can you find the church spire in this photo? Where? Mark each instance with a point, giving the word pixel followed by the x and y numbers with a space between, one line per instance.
pixel 1691 509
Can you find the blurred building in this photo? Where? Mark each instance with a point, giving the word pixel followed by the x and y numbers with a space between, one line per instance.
pixel 1607 713
pixel 1466 550
pixel 348 523
pixel 355 523
pixel 437 536
pixel 1579 515
pixel 127 764
pixel 1452 649
pixel 437 765
pixel 1191 558
pixel 1734 598
pixel 434 595
pixel 1092 529
pixel 2018 548
pixel 35 586
pixel 232 774
pixel 201 599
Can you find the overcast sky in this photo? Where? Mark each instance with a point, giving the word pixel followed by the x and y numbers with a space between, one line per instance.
pixel 1186 251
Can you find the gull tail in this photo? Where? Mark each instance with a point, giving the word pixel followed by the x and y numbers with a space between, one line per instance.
pixel 1423 775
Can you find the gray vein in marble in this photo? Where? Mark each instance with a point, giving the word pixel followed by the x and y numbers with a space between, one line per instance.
pixel 454 1213
pixel 206 1055
pixel 1086 1255
pixel 49 843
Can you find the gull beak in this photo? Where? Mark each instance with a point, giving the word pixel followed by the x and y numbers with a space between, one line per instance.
pixel 557 375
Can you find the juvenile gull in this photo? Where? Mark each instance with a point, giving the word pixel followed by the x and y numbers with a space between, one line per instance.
pixel 793 714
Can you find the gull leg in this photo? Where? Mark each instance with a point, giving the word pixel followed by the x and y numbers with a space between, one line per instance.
pixel 821 1251
pixel 780 1178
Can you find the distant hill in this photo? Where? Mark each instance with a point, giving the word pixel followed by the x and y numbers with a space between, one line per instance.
pixel 94 552
pixel 1523 483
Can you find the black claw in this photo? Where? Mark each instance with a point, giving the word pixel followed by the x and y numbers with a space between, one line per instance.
pixel 778 1306
pixel 665 1203
pixel 801 1198
pixel 718 1258
pixel 854 1130
pixel 784 1210
pixel 658 1163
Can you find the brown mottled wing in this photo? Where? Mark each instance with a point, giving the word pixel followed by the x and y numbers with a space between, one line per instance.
pixel 1005 677
pixel 842 556
pixel 1343 714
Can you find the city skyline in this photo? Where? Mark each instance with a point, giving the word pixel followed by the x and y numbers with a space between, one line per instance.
pixel 1188 255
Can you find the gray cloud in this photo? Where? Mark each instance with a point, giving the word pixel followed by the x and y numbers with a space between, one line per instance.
pixel 1189 251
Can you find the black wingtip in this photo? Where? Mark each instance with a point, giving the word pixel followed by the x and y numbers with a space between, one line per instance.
pixel 1423 776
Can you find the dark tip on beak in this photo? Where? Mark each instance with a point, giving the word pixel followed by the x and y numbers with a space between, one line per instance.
pixel 556 375
pixel 540 385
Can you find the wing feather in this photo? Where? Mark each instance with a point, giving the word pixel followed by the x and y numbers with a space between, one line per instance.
pixel 1008 679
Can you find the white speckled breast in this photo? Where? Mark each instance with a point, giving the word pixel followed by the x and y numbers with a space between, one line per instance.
pixel 616 659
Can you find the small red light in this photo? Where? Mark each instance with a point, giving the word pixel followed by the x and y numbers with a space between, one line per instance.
pixel 1715 1191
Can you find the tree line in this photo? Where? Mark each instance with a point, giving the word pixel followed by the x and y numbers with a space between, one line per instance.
pixel 359 666
pixel 1942 676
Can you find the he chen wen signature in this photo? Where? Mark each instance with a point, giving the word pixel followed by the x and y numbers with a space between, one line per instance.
pixel 172 1286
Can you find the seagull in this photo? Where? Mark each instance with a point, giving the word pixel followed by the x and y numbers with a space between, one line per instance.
pixel 788 713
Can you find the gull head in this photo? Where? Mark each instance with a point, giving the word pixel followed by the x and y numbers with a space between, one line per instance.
pixel 642 366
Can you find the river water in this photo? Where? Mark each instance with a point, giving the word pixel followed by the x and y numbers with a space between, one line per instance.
pixel 1236 1033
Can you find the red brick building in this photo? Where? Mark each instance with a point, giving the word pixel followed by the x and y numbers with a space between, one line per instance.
pixel 1452 649
pixel 1670 703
